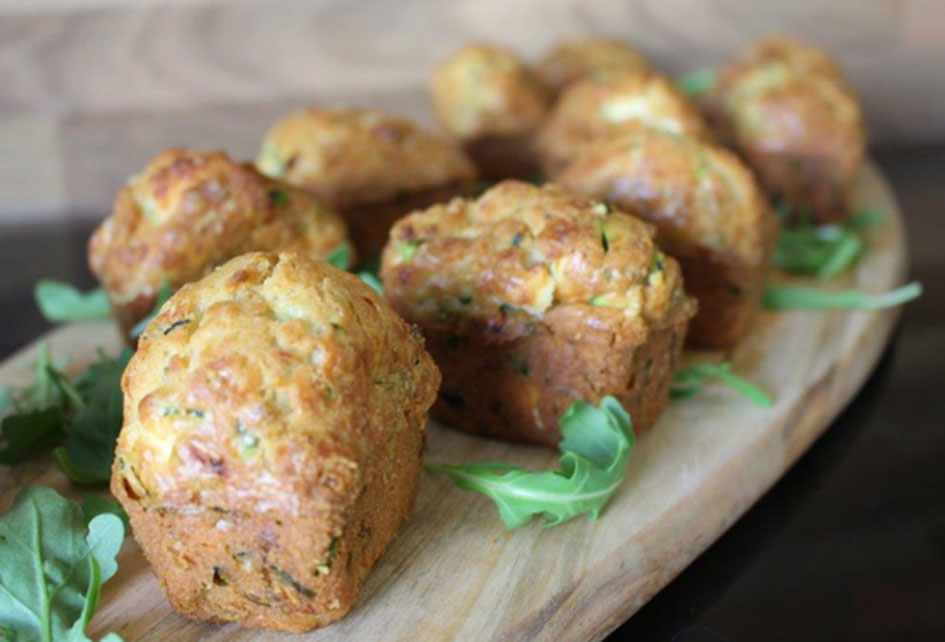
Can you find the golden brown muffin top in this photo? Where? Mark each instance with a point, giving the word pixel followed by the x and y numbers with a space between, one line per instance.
pixel 695 192
pixel 801 57
pixel 499 264
pixel 782 94
pixel 484 90
pixel 255 388
pixel 189 211
pixel 607 104
pixel 350 157
pixel 578 59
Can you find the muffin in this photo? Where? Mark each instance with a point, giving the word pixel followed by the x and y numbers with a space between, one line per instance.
pixel 789 110
pixel 371 167
pixel 191 210
pixel 273 424
pixel 576 60
pixel 487 99
pixel 709 213
pixel 532 298
pixel 608 104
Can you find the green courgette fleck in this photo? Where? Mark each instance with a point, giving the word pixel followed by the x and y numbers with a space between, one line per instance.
pixel 520 365
pixel 657 264
pixel 248 440
pixel 171 411
pixel 294 583
pixel 406 250
pixel 175 325
pixel 278 197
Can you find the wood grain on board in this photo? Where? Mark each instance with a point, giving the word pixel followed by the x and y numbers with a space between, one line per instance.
pixel 456 573
pixel 90 89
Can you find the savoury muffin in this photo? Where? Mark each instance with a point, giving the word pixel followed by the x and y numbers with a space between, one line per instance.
pixel 371 167
pixel 607 104
pixel 273 425
pixel 576 60
pixel 792 114
pixel 709 212
pixel 191 210
pixel 532 298
pixel 486 98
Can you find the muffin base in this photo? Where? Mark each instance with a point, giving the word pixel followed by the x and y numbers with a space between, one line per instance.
pixel 729 300
pixel 818 187
pixel 270 569
pixel 519 389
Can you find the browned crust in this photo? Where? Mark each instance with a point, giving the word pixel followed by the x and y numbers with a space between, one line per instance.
pixel 271 442
pixel 520 389
pixel 729 292
pixel 729 298
pixel 813 141
pixel 206 578
pixel 500 157
pixel 190 210
pixel 370 223
pixel 819 186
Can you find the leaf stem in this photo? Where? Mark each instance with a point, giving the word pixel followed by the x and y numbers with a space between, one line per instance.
pixel 45 630
pixel 789 297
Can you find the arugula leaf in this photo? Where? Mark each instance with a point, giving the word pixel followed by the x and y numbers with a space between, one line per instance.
pixel 42 392
pixel 60 302
pixel 822 250
pixel 866 217
pixel 52 566
pixel 697 82
pixel 790 297
pixel 688 381
pixel 594 453
pixel 163 295
pixel 30 433
pixel 6 398
pixel 340 257
pixel 70 396
pixel 36 424
pixel 95 505
pixel 83 419
pixel 372 280
pixel 91 434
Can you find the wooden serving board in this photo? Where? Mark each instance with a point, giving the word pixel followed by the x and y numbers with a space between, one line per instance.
pixel 455 572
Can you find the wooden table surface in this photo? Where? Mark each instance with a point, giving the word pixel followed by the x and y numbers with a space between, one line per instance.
pixel 849 545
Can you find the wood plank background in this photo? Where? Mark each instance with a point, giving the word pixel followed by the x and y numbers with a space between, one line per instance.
pixel 90 89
